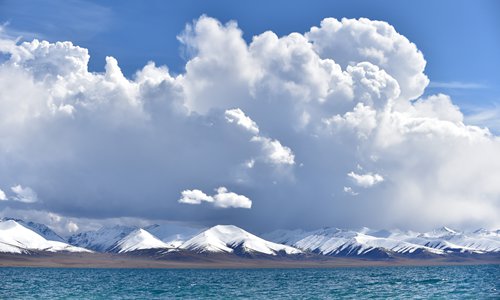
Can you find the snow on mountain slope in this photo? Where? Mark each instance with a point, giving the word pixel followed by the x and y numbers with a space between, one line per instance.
pixel 481 232
pixel 442 232
pixel 173 234
pixel 228 238
pixel 479 242
pixel 6 248
pixel 15 238
pixel 345 242
pixel 139 239
pixel 333 241
pixel 101 240
pixel 41 229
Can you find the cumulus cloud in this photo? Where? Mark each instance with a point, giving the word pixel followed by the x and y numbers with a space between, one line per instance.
pixel 361 120
pixel 3 197
pixel 350 41
pixel 223 198
pixel 194 197
pixel 274 151
pixel 345 92
pixel 24 194
pixel 238 116
pixel 366 180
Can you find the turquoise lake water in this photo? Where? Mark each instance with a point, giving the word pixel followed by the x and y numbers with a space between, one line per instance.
pixel 452 282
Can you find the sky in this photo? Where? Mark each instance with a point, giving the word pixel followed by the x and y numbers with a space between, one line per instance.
pixel 263 115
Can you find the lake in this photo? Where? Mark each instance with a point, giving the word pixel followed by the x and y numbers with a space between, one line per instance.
pixel 445 282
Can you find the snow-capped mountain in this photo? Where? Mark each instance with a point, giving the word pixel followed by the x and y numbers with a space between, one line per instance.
pixel 334 241
pixel 439 233
pixel 173 235
pixel 101 240
pixel 232 239
pixel 39 228
pixel 449 240
pixel 15 238
pixel 18 236
pixel 139 239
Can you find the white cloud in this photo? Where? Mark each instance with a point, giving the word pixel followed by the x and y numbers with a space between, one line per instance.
pixel 350 191
pixel 7 42
pixel 223 198
pixel 350 41
pixel 438 107
pixel 346 91
pixel 194 197
pixel 3 197
pixel 211 79
pixel 366 180
pixel 238 116
pixel 362 120
pixel 250 163
pixel 274 152
pixel 24 194
pixel 72 227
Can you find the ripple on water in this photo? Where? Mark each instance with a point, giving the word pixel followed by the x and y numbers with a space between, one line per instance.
pixel 452 282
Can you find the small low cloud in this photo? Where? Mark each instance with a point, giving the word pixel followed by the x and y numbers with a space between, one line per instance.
pixel 223 198
pixel 250 163
pixel 194 197
pixel 274 152
pixel 72 227
pixel 3 197
pixel 366 180
pixel 24 194
pixel 350 191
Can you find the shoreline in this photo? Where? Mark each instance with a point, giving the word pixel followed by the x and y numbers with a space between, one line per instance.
pixel 127 261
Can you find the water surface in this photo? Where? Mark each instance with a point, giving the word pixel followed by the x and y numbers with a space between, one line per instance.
pixel 448 282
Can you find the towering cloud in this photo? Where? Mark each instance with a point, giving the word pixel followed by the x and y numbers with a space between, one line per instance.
pixel 285 120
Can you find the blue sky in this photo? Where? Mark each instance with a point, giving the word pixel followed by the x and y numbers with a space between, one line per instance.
pixel 285 118
pixel 460 39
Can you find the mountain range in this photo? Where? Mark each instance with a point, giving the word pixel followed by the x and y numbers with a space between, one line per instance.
pixel 21 237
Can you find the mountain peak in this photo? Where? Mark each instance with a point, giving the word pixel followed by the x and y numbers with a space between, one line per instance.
pixel 101 240
pixel 39 228
pixel 228 238
pixel 139 239
pixel 16 238
pixel 449 230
